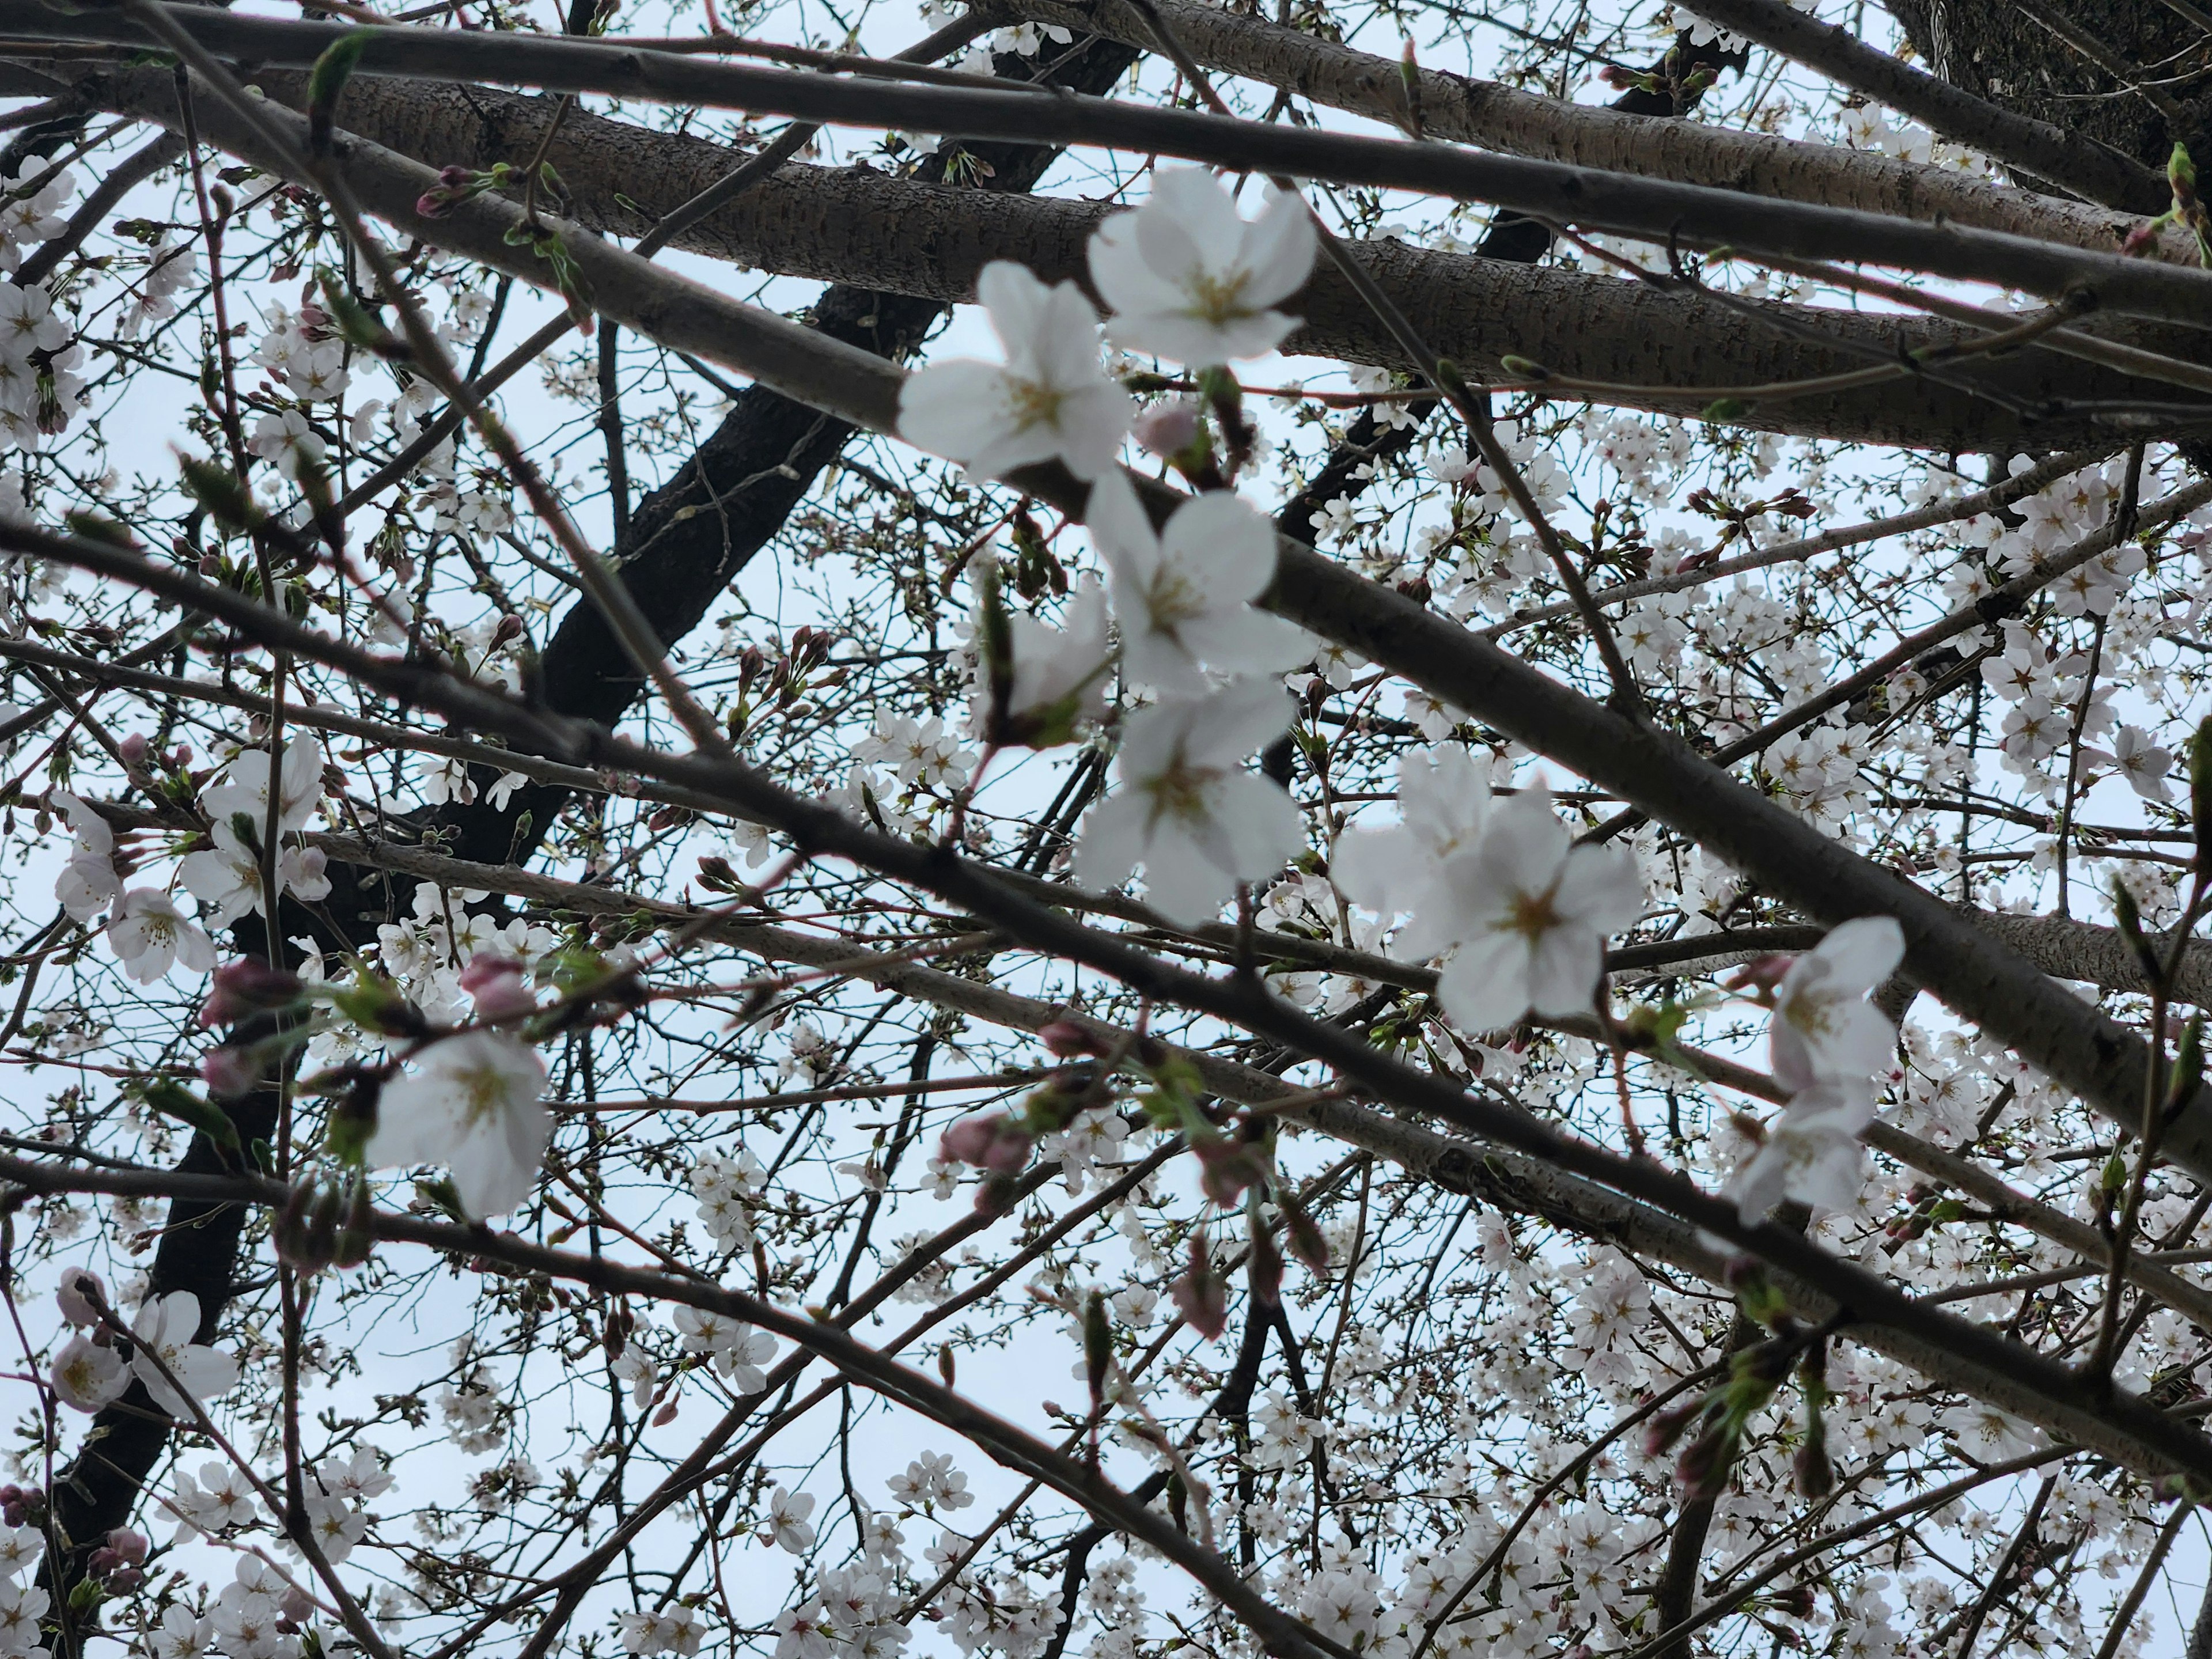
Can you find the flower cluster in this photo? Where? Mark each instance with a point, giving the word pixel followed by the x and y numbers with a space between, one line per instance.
pixel 1517 912
pixel 1828 1045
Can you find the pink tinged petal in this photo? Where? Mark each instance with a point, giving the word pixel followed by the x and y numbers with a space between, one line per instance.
pixel 1600 888
pixel 1120 526
pixel 1093 420
pixel 1067 340
pixel 1485 985
pixel 1563 969
pixel 1161 660
pixel 1790 1057
pixel 1525 847
pixel 1759 1183
pixel 1198 205
pixel 1861 1045
pixel 1373 868
pixel 1862 953
pixel 1126 281
pixel 1264 828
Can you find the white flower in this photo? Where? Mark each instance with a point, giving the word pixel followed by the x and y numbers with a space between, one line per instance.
pixel 785 1523
pixel 288 440
pixel 1531 912
pixel 1059 679
pixel 1824 1030
pixel 474 1106
pixel 21 1608
pixel 1444 802
pixel 86 1376
pixel 1183 594
pixel 247 789
pixel 229 875
pixel 2142 763
pixel 148 932
pixel 738 1350
pixel 164 1328
pixel 336 1525
pixel 183 1634
pixel 87 883
pixel 1187 810
pixel 28 322
pixel 1811 1153
pixel 1050 401
pixel 1187 278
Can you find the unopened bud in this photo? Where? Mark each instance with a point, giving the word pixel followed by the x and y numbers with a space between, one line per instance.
pixel 1069 1041
pixel 246 986
pixel 992 1142
pixel 1168 429
pixel 82 1296
pixel 229 1071
pixel 132 748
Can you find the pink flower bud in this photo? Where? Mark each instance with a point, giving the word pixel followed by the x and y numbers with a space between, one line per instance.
pixel 1168 429
pixel 297 1606
pixel 1069 1041
pixel 82 1295
pixel 247 986
pixel 992 1142
pixel 496 985
pixel 130 1546
pixel 1198 1294
pixel 229 1071
pixel 132 748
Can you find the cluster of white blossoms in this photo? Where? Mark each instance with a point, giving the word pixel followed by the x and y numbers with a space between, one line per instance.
pixel 40 385
pixel 1186 278
pixel 1498 892
pixel 23 1602
pixel 1828 1045
pixel 229 878
pixel 180 1374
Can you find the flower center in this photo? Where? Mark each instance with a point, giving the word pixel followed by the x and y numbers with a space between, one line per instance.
pixel 1218 299
pixel 1180 792
pixel 487 1093
pixel 1533 914
pixel 1037 403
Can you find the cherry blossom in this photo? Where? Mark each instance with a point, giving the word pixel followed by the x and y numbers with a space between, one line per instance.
pixel 245 787
pixel 2139 759
pixel 149 934
pixel 1048 401
pixel 87 883
pixel 166 1328
pixel 1530 913
pixel 473 1104
pixel 87 1374
pixel 1058 683
pixel 1187 278
pixel 1183 594
pixel 1186 811
pixel 1444 804
pixel 786 1524
pixel 1824 1028
pixel 1812 1152
pixel 229 875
